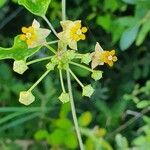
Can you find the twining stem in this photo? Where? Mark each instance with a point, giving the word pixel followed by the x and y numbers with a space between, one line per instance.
pixel 76 78
pixel 61 81
pixel 38 60
pixel 50 25
pixel 81 66
pixel 74 112
pixel 51 49
pixel 39 80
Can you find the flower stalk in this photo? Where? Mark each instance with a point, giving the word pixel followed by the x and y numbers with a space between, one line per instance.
pixel 70 90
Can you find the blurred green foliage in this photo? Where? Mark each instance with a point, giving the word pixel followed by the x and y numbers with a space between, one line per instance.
pixel 122 94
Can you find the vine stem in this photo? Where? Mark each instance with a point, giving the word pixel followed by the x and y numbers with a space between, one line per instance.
pixel 74 111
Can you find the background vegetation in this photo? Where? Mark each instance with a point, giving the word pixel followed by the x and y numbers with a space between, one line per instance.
pixel 117 116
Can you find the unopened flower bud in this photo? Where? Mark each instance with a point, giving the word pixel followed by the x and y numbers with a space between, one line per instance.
pixel 20 66
pixel 26 98
pixel 64 97
pixel 87 90
pixel 96 75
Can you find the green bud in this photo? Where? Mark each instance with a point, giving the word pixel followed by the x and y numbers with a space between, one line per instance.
pixel 86 58
pixel 26 98
pixel 96 75
pixel 64 97
pixel 20 66
pixel 87 90
pixel 50 66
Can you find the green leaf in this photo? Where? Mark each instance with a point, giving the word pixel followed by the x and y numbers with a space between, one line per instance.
pixel 122 143
pixel 143 33
pixel 71 137
pixel 128 37
pixel 85 119
pixel 143 104
pixel 64 123
pixel 2 2
pixel 57 137
pixel 111 5
pixel 41 135
pixel 105 22
pixel 19 51
pixel 37 7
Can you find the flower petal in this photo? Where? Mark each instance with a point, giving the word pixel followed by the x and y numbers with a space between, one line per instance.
pixel 35 24
pixel 94 63
pixel 98 48
pixel 42 33
pixel 73 45
pixel 66 24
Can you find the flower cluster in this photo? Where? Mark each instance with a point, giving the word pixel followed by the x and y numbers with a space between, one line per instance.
pixel 64 57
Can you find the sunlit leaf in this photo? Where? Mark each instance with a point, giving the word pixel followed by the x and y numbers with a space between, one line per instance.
pixel 19 51
pixel 37 7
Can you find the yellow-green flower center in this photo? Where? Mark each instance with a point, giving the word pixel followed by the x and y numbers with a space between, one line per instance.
pixel 28 35
pixel 77 32
pixel 108 57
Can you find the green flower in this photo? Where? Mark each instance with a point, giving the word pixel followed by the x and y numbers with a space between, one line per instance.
pixel 26 98
pixel 96 75
pixel 20 66
pixel 87 90
pixel 64 97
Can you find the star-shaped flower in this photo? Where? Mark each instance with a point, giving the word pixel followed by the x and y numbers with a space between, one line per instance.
pixel 72 33
pixel 34 35
pixel 99 57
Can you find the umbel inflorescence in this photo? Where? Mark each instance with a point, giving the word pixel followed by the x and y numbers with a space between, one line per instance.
pixel 64 56
pixel 33 38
